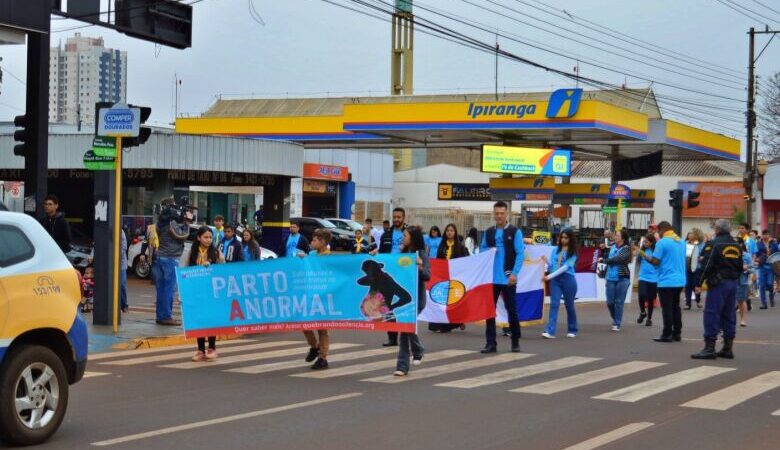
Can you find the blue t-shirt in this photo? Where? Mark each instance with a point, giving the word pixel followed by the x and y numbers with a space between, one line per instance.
pixel 247 254
pixel 744 277
pixel 670 251
pixel 613 271
pixel 762 253
pixel 433 244
pixel 647 271
pixel 292 245
pixel 398 239
pixel 499 277
pixel 752 246
pixel 569 262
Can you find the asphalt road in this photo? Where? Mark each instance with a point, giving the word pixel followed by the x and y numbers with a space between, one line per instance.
pixel 633 393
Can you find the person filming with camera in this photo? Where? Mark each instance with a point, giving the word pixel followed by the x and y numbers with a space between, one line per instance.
pixel 172 231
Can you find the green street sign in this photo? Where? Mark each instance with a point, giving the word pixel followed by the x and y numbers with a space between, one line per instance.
pixel 609 210
pixel 104 146
pixel 95 162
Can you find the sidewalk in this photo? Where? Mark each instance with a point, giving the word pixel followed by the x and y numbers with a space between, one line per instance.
pixel 138 328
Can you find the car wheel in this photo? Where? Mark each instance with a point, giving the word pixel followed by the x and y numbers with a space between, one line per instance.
pixel 141 269
pixel 33 395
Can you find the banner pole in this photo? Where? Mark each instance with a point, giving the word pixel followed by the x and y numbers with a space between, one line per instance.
pixel 117 230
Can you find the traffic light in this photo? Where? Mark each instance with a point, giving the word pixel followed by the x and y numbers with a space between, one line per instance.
pixel 143 133
pixel 676 199
pixel 692 196
pixel 22 135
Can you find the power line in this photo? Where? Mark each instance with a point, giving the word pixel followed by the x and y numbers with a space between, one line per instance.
pixel 5 70
pixel 722 2
pixel 746 8
pixel 767 6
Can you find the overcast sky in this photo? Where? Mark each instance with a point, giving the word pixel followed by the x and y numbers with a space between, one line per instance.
pixel 310 47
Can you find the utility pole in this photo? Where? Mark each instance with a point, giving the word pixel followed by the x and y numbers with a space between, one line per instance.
pixel 497 49
pixel 402 55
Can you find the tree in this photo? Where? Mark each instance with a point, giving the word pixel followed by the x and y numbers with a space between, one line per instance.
pixel 769 119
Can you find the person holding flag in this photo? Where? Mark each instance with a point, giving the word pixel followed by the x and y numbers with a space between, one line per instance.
pixel 392 242
pixel 510 253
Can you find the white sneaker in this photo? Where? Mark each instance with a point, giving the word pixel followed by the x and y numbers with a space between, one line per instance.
pixel 547 335
pixel 571 335
pixel 416 362
pixel 615 328
pixel 399 373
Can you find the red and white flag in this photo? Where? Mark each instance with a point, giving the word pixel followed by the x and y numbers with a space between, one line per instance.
pixel 460 290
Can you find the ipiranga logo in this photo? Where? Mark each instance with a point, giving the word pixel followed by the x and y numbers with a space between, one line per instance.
pixel 519 110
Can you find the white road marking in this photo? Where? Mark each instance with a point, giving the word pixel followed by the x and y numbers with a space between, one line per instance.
pixel 735 394
pixel 95 374
pixel 370 367
pixel 300 364
pixel 517 373
pixel 612 436
pixel 587 378
pixel 149 351
pixel 640 391
pixel 180 355
pixel 430 372
pixel 296 352
pixel 221 420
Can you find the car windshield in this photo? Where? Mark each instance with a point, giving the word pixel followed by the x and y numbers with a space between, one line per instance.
pixel 327 223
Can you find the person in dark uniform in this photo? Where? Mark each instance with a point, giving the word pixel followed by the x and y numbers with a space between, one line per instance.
pixel 722 263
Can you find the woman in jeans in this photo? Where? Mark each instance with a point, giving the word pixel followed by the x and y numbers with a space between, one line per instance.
pixel 648 281
pixel 414 243
pixel 562 283
pixel 618 277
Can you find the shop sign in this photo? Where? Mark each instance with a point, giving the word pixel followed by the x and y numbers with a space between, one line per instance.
pixel 464 191
pixel 318 187
pixel 717 200
pixel 609 210
pixel 526 160
pixel 619 191
pixel 119 120
pixel 325 172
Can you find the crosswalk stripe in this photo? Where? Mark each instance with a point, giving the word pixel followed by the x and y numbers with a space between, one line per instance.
pixel 612 436
pixel 298 364
pixel 517 373
pixel 587 378
pixel 180 355
pixel 95 374
pixel 735 394
pixel 145 351
pixel 370 367
pixel 295 351
pixel 430 372
pixel 640 391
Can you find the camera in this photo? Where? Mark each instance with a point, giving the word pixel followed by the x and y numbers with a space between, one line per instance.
pixel 177 213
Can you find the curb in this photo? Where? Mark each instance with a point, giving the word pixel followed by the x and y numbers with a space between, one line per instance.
pixel 164 341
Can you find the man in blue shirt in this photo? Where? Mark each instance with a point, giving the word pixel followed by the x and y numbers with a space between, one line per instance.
pixel 766 277
pixel 510 253
pixel 391 242
pixel 296 242
pixel 669 257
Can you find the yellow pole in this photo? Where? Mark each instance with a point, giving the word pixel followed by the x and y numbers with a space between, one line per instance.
pixel 619 211
pixel 117 229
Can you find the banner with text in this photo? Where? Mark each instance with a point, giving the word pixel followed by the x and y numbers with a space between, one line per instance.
pixel 355 292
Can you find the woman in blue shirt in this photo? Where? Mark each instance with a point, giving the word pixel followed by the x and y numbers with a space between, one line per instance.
pixel 744 281
pixel 648 281
pixel 433 241
pixel 562 283
pixel 618 277
pixel 249 246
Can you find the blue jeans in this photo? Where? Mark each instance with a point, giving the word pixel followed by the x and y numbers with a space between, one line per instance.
pixel 564 285
pixel 123 289
pixel 165 282
pixel 766 283
pixel 406 341
pixel 616 297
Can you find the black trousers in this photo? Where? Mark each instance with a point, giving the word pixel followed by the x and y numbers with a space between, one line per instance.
pixel 647 293
pixel 202 343
pixel 670 308
pixel 508 292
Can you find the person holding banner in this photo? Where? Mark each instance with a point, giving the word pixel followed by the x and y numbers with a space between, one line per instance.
pixel 297 243
pixel 320 241
pixel 204 255
pixel 391 242
pixel 618 277
pixel 563 283
pixel 510 253
pixel 451 248
pixel 413 242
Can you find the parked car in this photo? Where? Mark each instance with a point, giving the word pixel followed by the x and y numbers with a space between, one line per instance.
pixel 342 239
pixel 347 225
pixel 79 256
pixel 43 338
pixel 143 270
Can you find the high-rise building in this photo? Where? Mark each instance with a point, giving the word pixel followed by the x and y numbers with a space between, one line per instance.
pixel 81 74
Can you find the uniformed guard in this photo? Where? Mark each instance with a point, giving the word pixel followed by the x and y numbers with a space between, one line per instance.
pixel 722 262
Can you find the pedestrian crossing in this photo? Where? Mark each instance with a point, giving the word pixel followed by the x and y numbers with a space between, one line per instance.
pixel 630 381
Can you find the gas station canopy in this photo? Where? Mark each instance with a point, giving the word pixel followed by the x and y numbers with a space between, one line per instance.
pixel 596 125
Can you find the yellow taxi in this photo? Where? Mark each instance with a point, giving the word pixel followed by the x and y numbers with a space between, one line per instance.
pixel 43 339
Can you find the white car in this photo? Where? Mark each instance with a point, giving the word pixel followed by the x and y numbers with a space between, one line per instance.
pixel 142 270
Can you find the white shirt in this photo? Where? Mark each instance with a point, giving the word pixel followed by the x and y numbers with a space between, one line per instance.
pixel 376 235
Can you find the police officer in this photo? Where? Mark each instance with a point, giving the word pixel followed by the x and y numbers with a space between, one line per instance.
pixel 722 262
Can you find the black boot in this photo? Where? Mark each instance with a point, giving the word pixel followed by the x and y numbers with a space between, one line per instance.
pixel 708 352
pixel 726 352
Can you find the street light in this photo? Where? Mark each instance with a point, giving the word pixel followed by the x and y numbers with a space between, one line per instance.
pixel 761 167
